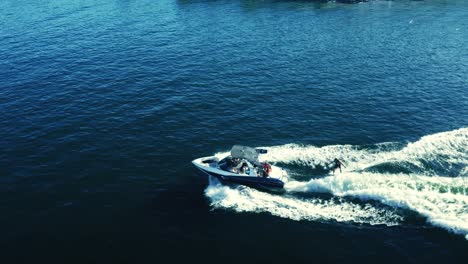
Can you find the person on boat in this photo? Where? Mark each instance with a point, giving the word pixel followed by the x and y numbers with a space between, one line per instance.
pixel 243 169
pixel 238 164
pixel 266 169
pixel 337 165
pixel 228 164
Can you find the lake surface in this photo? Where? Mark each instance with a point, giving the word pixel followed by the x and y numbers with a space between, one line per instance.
pixel 105 103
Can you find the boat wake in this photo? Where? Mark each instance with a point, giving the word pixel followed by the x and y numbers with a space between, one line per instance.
pixel 244 199
pixel 380 184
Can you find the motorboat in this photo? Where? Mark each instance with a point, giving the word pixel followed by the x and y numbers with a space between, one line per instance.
pixel 243 167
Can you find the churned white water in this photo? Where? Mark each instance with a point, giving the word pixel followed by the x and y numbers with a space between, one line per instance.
pixel 442 200
pixel 244 199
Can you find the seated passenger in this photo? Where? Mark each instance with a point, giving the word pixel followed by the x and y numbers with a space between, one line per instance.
pixel 237 165
pixel 266 169
pixel 243 169
pixel 232 165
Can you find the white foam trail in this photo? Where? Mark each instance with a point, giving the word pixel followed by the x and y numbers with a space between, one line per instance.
pixel 444 201
pixel 452 146
pixel 244 199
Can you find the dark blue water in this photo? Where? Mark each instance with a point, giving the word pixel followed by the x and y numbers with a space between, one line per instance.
pixel 105 103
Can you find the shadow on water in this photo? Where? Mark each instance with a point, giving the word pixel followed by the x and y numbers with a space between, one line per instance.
pixel 251 5
pixel 394 168
pixel 305 173
pixel 181 201
pixel 440 168
pixel 254 4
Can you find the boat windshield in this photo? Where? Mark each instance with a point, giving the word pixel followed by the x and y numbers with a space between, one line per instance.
pixel 243 152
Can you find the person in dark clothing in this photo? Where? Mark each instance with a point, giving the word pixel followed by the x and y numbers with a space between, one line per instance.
pixel 244 168
pixel 337 165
